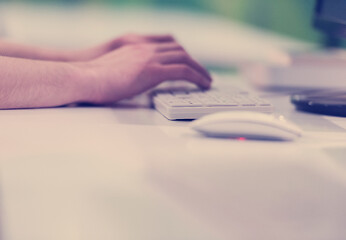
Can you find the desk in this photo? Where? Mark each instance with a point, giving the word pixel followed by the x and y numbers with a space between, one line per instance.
pixel 113 173
pixel 128 173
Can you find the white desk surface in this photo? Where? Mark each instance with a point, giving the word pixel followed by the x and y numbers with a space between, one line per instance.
pixel 128 173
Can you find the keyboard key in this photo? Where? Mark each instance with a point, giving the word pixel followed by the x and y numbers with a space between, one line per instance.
pixel 177 103
pixel 207 102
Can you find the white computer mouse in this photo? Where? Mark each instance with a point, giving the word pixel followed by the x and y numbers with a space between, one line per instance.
pixel 250 125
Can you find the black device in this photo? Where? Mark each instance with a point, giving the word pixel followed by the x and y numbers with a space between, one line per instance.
pixel 330 18
pixel 327 102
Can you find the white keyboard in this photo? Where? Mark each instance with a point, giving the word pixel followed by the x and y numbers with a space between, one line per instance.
pixel 193 104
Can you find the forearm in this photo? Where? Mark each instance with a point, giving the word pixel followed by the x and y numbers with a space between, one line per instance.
pixel 30 84
pixel 22 51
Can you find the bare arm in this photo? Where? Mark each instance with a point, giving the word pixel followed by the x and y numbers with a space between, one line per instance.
pixel 16 50
pixel 122 73
pixel 29 84
pixel 10 49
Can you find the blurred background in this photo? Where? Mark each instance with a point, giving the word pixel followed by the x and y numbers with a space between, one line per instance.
pixel 287 17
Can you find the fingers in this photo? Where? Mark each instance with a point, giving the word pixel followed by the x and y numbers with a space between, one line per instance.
pixel 183 72
pixel 159 38
pixel 165 47
pixel 182 58
pixel 170 59
pixel 173 53
pixel 130 39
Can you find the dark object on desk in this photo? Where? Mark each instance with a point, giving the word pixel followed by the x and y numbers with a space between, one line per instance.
pixel 327 102
pixel 330 18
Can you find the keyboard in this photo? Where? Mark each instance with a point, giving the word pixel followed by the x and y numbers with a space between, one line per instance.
pixel 192 104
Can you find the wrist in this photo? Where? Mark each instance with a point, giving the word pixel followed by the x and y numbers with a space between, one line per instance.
pixel 84 84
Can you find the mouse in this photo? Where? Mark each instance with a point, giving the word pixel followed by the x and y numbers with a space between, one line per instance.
pixel 247 125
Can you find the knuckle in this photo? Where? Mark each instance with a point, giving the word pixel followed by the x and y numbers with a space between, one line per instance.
pixel 183 56
pixel 121 41
pixel 178 46
pixel 124 40
pixel 170 36
pixel 181 48
pixel 186 71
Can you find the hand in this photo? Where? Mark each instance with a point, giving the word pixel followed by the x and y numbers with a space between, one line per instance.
pixel 129 39
pixel 135 68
